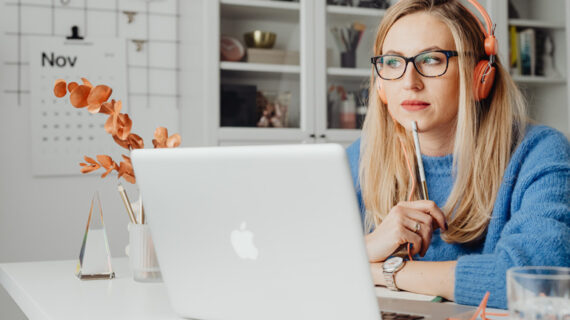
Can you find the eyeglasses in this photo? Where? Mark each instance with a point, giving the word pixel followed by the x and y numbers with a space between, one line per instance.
pixel 429 64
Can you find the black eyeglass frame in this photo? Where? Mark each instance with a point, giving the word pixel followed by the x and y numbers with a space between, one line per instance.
pixel 448 54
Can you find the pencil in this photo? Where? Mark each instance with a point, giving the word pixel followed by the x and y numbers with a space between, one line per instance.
pixel 127 203
pixel 420 162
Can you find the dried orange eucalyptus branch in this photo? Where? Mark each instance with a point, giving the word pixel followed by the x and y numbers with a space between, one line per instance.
pixel 118 125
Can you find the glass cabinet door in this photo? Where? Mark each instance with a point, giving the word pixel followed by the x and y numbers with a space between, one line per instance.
pixel 345 38
pixel 263 54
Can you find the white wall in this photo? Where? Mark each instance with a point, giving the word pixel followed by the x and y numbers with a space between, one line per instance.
pixel 43 218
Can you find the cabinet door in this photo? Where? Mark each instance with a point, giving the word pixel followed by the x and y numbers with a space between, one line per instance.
pixel 343 47
pixel 264 96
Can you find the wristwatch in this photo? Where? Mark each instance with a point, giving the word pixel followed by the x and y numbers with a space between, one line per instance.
pixel 389 269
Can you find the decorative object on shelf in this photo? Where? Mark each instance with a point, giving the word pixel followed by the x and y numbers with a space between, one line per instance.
pixel 335 95
pixel 237 105
pixel 231 49
pixel 272 56
pixel 260 39
pixel 95 256
pixel 340 2
pixel 272 109
pixel 118 125
pixel 347 40
pixel 348 112
pixel 548 68
pixel 346 109
pixel 375 4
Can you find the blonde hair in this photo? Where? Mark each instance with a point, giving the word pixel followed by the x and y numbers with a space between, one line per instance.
pixel 486 133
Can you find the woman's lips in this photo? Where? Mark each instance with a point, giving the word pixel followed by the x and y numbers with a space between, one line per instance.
pixel 414 105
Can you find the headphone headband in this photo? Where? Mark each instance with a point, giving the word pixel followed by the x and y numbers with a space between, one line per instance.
pixel 490 41
pixel 490 30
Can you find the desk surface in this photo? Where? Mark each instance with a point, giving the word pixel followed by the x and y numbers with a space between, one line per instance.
pixel 50 290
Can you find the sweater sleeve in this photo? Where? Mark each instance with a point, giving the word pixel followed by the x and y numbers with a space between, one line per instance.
pixel 353 154
pixel 536 227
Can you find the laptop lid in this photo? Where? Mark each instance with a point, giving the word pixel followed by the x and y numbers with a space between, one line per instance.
pixel 257 232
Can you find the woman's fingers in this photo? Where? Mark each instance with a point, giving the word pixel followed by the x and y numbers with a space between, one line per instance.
pixel 422 227
pixel 428 207
pixel 408 236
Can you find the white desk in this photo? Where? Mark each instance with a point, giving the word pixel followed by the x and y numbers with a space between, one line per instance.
pixel 50 290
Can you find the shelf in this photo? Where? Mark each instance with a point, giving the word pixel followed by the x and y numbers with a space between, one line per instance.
pixel 538 80
pixel 261 134
pixel 259 67
pixel 355 12
pixel 348 73
pixel 338 15
pixel 536 24
pixel 260 10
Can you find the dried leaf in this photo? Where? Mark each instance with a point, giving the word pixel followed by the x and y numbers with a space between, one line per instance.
pixel 117 107
pixel 87 168
pixel 173 141
pixel 107 163
pixel 105 160
pixel 123 143
pixel 130 178
pixel 71 86
pixel 107 107
pixel 135 141
pixel 124 126
pixel 94 108
pixel 79 96
pixel 109 127
pixel 90 166
pixel 99 94
pixel 160 136
pixel 60 88
pixel 90 160
pixel 86 82
pixel 126 169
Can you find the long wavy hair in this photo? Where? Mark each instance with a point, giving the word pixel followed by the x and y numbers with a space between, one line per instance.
pixel 486 133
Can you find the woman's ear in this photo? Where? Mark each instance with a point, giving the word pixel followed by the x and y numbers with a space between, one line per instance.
pixel 380 91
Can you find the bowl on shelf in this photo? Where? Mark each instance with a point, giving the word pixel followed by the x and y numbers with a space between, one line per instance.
pixel 260 39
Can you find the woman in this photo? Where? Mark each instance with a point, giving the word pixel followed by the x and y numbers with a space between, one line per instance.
pixel 499 186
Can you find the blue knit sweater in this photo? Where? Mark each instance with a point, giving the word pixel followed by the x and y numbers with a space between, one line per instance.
pixel 530 224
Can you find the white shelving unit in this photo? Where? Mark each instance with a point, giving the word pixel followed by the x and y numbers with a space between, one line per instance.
pixel 304 26
pixel 300 26
pixel 548 97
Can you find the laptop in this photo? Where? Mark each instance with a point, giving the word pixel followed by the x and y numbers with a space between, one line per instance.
pixel 262 232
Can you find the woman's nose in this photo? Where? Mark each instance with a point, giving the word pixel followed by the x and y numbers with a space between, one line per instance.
pixel 412 79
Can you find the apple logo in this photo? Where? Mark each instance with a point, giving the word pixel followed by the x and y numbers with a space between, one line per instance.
pixel 242 242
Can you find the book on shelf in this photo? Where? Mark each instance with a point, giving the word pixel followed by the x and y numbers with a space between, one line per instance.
pixel 527 51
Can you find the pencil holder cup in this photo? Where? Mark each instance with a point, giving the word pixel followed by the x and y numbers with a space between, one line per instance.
pixel 348 59
pixel 142 256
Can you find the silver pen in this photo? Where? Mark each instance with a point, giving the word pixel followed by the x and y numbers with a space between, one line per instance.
pixel 420 162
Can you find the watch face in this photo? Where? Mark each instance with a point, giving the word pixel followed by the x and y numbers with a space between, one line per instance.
pixel 392 264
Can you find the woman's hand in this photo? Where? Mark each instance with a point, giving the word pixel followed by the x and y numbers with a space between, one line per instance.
pixel 411 222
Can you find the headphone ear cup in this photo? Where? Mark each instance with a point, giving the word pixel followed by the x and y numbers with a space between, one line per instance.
pixel 482 88
pixel 381 92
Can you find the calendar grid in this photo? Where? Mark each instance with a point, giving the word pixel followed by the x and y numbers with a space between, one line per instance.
pixel 62 135
pixel 52 7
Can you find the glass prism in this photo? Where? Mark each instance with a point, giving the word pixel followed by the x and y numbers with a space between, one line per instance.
pixel 95 256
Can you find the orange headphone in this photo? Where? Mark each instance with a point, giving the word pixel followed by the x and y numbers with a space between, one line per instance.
pixel 484 73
